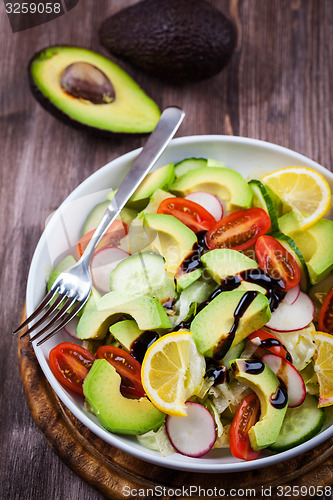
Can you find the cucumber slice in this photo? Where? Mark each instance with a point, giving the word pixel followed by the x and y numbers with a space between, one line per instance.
pixel 291 246
pixel 299 425
pixel 189 164
pixel 143 274
pixel 262 199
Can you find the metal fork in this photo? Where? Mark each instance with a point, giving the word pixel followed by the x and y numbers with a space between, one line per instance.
pixel 72 288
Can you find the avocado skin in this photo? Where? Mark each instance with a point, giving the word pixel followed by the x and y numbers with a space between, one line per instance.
pixel 63 117
pixel 179 40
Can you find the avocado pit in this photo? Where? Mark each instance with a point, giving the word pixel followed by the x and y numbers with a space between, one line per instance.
pixel 83 80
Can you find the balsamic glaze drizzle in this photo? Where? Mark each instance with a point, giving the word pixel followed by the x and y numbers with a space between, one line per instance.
pixel 280 398
pixel 140 345
pixel 225 343
pixel 253 366
pixel 216 370
pixel 276 343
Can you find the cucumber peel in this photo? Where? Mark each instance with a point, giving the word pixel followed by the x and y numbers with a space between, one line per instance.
pixel 262 199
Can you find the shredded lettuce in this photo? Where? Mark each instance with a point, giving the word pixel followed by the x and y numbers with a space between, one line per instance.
pixel 300 344
pixel 157 441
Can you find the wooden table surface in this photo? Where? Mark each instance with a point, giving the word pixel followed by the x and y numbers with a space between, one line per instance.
pixel 278 87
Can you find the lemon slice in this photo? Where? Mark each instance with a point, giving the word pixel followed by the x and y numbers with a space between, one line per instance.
pixel 324 367
pixel 171 372
pixel 302 190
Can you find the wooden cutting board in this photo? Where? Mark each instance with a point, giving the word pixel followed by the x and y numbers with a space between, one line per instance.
pixel 114 473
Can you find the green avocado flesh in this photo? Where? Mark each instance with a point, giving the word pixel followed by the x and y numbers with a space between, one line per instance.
pixel 224 262
pixel 116 413
pixel 131 111
pixel 126 332
pixel 170 238
pixel 225 183
pixel 212 325
pixel 265 384
pixel 147 312
pixel 315 244
pixel 160 178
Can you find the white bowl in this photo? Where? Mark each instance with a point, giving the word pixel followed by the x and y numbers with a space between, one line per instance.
pixel 63 231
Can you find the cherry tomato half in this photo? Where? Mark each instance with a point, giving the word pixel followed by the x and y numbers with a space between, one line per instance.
pixel 126 366
pixel 70 364
pixel 111 238
pixel 277 262
pixel 267 340
pixel 238 230
pixel 246 416
pixel 188 212
pixel 325 319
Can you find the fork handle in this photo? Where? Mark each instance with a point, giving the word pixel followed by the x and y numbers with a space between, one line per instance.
pixel 165 129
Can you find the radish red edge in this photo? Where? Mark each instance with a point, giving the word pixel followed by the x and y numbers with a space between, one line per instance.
pixel 103 263
pixel 208 201
pixel 292 317
pixel 193 435
pixel 292 295
pixel 288 374
pixel 71 327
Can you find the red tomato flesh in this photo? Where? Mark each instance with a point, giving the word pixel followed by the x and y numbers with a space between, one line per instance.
pixel 267 340
pixel 325 319
pixel 238 230
pixel 277 262
pixel 193 215
pixel 111 238
pixel 70 364
pixel 246 416
pixel 126 366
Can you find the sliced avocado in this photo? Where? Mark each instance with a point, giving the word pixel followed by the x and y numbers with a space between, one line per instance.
pixel 94 217
pixel 161 178
pixel 88 91
pixel 116 413
pixel 65 264
pixel 126 332
pixel 185 280
pixel 224 262
pixel 315 243
pixel 147 312
pixel 265 384
pixel 225 183
pixel 212 326
pixel 170 238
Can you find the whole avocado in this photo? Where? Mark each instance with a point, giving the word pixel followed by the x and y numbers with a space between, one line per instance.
pixel 179 40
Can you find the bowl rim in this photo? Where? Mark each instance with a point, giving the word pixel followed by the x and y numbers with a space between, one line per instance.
pixel 192 465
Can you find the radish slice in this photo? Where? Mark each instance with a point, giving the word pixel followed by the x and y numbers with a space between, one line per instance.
pixel 292 295
pixel 291 317
pixel 71 327
pixel 288 374
pixel 103 263
pixel 193 435
pixel 208 201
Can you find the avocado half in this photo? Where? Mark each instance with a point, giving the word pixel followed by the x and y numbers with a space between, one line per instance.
pixel 88 91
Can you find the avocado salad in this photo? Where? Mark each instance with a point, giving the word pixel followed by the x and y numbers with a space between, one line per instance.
pixel 210 321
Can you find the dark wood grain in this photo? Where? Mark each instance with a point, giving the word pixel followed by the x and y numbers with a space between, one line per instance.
pixel 278 87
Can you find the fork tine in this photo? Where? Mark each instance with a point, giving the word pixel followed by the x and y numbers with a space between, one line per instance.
pixel 62 324
pixel 67 305
pixel 48 297
pixel 47 314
